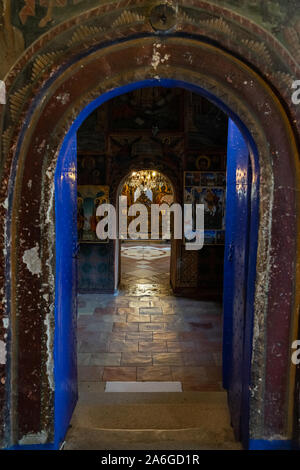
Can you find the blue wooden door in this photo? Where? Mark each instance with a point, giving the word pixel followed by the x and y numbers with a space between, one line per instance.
pixel 65 348
pixel 236 275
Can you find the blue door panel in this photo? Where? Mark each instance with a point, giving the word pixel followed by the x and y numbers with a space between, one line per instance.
pixel 228 257
pixel 236 271
pixel 65 350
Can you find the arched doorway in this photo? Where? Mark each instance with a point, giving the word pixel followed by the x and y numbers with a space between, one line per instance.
pixel 239 284
pixel 276 407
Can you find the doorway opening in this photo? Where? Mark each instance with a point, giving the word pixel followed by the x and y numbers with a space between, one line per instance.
pixel 145 261
pixel 168 332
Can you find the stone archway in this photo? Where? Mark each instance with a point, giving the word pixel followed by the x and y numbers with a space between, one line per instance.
pixel 30 245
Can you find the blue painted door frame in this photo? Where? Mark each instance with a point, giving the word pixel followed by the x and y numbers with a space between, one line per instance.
pixel 238 279
pixel 65 345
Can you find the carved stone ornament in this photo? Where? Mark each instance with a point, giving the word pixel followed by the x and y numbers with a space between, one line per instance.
pixel 163 17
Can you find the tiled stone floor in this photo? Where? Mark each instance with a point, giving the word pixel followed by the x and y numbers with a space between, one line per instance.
pixel 145 333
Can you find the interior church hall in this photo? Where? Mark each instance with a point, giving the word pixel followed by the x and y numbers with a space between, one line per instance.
pixel 150 236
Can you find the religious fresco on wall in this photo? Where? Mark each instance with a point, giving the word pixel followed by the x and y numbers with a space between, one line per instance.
pixel 154 108
pixel 91 168
pixel 147 187
pixel 121 148
pixel 91 134
pixel 198 178
pixel 35 17
pixel 157 193
pixel 41 14
pixel 89 197
pixel 281 18
pixel 95 273
pixel 275 12
pixel 91 147
pixel 129 149
pixel 207 189
pixel 207 124
pixel 11 39
pixel 213 200
pixel 24 21
pixel 208 162
pixel 164 197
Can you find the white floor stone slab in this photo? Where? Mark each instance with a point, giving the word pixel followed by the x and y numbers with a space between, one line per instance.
pixel 150 387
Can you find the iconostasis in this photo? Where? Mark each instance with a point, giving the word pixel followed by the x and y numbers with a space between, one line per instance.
pixel 180 139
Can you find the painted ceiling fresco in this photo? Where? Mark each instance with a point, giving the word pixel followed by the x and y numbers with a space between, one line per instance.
pixel 24 21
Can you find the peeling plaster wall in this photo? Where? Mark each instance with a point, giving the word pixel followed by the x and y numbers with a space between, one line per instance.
pixel 33 439
pixel 32 260
pixel 2 92
pixel 2 352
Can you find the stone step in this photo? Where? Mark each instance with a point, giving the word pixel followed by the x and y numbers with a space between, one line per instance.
pixel 191 420
pixel 187 439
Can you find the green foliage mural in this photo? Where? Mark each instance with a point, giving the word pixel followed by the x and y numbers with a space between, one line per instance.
pixel 23 21
pixel 35 17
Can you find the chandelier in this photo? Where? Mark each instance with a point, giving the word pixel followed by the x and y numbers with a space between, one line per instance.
pixel 146 179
